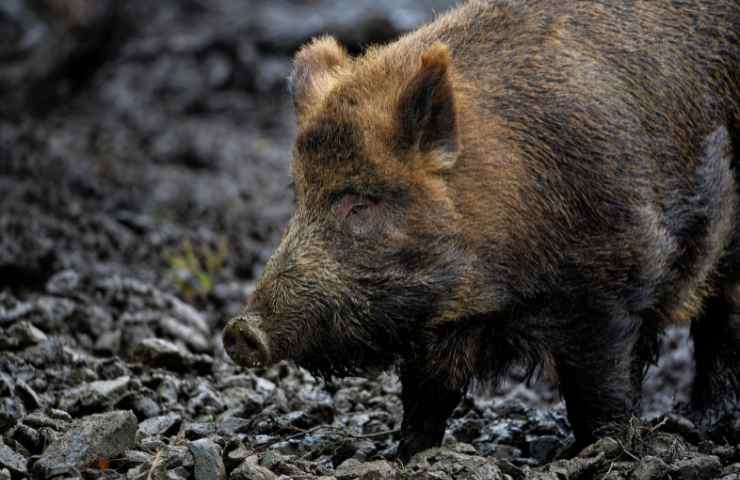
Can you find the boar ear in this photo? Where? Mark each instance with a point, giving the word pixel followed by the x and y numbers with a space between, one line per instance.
pixel 426 109
pixel 314 69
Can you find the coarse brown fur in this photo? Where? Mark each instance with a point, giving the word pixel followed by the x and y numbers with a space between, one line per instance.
pixel 516 182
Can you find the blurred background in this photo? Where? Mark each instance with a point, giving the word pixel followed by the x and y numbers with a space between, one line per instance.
pixel 144 180
pixel 152 139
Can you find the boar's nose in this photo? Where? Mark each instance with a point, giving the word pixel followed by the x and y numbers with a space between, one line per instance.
pixel 245 342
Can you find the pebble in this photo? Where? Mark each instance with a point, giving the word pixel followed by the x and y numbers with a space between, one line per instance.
pixel 252 471
pixel 11 460
pixel 64 282
pixel 650 468
pixel 25 334
pixel 207 459
pixel 94 396
pixel 159 425
pixel 105 435
pixel 696 468
pixel 159 353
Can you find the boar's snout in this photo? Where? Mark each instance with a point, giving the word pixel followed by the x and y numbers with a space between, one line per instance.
pixel 245 342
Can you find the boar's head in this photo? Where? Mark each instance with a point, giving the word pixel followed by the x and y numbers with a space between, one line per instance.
pixel 372 251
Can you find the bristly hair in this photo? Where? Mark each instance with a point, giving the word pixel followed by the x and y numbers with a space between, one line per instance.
pixel 485 349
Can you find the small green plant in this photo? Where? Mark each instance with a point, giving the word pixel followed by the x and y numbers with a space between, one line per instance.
pixel 193 271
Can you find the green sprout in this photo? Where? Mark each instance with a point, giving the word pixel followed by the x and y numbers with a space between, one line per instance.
pixel 193 271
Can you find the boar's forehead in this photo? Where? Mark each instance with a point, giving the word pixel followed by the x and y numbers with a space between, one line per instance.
pixel 331 152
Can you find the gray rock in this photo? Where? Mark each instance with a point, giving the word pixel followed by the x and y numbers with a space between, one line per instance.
pixel 208 462
pixel 159 353
pixel 63 283
pixel 137 457
pixel 544 447
pixel 731 472
pixel 11 460
pixel 377 470
pixel 696 468
pixel 206 400
pixel 178 456
pixel 25 334
pixel 4 474
pixel 30 398
pixel 53 313
pixel 195 430
pixel 575 468
pixel 230 425
pixel 28 437
pixel 96 436
pixel 11 409
pixel 39 420
pixel 11 309
pixel 159 425
pixel 650 468
pixel 235 453
pixel 60 415
pixel 139 400
pixel 250 401
pixel 95 396
pixel 192 337
pixel 251 471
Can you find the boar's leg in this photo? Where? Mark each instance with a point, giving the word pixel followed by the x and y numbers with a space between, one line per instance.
pixel 716 337
pixel 596 372
pixel 644 354
pixel 427 404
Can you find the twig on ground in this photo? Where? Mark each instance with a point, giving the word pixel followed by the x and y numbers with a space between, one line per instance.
pixel 630 454
pixel 658 426
pixel 611 466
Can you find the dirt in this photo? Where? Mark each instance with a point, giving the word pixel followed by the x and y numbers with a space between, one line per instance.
pixel 144 180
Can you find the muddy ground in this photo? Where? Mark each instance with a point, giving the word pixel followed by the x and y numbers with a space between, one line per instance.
pixel 144 180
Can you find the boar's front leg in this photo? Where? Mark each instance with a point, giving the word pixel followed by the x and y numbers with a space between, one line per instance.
pixel 595 364
pixel 427 404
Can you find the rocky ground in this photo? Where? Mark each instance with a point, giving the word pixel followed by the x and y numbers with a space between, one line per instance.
pixel 144 152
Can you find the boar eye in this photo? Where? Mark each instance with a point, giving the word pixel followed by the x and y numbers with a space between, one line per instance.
pixel 350 204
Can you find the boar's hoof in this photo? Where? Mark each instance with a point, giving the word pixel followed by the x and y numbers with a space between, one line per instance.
pixel 245 342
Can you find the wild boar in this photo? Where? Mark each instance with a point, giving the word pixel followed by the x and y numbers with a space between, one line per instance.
pixel 536 183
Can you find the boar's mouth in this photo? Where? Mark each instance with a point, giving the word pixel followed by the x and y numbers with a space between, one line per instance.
pixel 337 353
pixel 246 343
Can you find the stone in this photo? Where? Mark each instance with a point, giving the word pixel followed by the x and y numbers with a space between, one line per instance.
pixel 178 456
pixel 235 453
pixel 544 447
pixel 207 458
pixel 195 430
pixel 159 353
pixel 12 460
pixel 159 425
pixel 30 398
pixel 354 469
pixel 251 471
pixel 25 334
pixel 11 409
pixel 38 420
pixel 696 468
pixel 138 399
pixel 230 425
pixel 650 468
pixel 64 282
pixel 193 338
pixel 97 436
pixel 28 437
pixel 95 396
pixel 205 400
